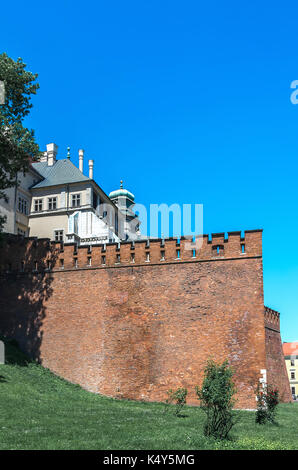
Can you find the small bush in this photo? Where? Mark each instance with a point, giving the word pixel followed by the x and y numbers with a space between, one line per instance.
pixel 177 397
pixel 216 399
pixel 267 401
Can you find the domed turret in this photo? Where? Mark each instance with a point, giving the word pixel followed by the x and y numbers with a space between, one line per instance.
pixel 125 201
pixel 121 192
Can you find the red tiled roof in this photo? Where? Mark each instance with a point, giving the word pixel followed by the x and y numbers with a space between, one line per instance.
pixel 290 349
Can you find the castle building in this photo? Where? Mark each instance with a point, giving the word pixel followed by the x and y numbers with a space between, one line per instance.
pixel 16 207
pixel 290 351
pixel 56 200
pixel 130 317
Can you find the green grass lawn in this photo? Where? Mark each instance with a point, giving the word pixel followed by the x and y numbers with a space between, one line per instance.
pixel 41 411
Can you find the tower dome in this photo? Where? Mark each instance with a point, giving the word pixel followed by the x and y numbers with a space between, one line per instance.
pixel 121 192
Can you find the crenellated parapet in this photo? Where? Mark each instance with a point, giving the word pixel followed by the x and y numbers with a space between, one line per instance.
pixel 35 255
pixel 127 321
pixel 272 319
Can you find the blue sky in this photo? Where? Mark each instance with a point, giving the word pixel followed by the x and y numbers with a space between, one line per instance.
pixel 188 102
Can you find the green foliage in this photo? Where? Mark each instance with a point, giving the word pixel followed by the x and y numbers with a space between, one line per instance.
pixel 267 401
pixel 177 397
pixel 17 143
pixel 216 399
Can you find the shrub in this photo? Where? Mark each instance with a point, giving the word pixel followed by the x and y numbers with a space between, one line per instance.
pixel 177 397
pixel 267 401
pixel 216 399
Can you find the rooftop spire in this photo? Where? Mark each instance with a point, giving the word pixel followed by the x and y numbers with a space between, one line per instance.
pixel 68 153
pixel 121 184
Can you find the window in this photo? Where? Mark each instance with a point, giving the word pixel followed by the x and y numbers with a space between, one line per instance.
pixel 94 204
pixel 293 390
pixel 22 206
pixel 292 362
pixel 178 254
pixel 38 205
pixel 103 260
pixel 58 235
pixel 52 203
pixel 118 258
pixel 147 256
pixel 76 200
pixel 292 375
pixel 242 248
pixel 132 257
pixel 89 261
pixel 21 232
pixel 61 263
pixel 162 255
pixel 76 223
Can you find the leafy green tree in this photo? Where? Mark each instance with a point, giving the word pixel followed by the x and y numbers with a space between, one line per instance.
pixel 216 399
pixel 17 143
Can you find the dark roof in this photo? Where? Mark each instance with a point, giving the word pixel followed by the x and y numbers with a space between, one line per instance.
pixel 62 172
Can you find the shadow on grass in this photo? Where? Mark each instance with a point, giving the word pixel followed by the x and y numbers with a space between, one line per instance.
pixel 2 379
pixel 13 355
pixel 274 424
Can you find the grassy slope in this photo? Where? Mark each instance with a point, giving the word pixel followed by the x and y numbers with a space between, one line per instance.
pixel 41 411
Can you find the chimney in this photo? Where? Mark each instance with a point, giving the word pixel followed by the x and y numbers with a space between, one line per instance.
pixel 91 169
pixel 52 150
pixel 44 157
pixel 81 160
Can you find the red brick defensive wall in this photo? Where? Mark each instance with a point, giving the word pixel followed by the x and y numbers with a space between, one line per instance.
pixel 120 321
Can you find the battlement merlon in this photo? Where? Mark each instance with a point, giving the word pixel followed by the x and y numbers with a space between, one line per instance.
pixel 33 254
pixel 272 319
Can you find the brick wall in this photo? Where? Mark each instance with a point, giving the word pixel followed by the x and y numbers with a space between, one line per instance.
pixel 129 327
pixel 275 363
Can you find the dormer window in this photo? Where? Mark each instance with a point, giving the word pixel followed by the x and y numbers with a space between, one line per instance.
pixel 76 200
